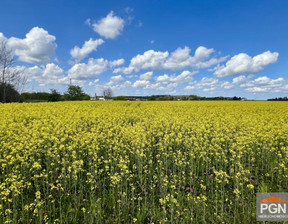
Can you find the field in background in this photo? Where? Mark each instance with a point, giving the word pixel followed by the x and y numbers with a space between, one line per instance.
pixel 140 162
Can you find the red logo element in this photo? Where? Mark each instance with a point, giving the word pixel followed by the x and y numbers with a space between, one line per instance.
pixel 273 199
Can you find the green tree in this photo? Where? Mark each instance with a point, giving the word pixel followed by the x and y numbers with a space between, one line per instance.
pixel 11 94
pixel 54 96
pixel 164 98
pixel 236 98
pixel 35 97
pixel 74 93
pixel 120 98
pixel 194 97
pixel 86 97
pixel 152 98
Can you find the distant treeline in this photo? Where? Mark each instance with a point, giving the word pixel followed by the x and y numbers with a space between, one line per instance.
pixel 73 93
pixel 174 98
pixel 40 97
pixel 285 98
pixel 12 95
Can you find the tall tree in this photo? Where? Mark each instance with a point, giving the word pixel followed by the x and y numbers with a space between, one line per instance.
pixel 107 93
pixel 6 60
pixel 74 93
pixel 9 75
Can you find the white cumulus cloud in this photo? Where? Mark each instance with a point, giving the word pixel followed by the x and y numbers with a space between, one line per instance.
pixel 179 59
pixel 244 64
pixel 89 46
pixel 117 62
pixel 266 84
pixel 110 26
pixel 240 79
pixel 37 47
pixel 146 76
pixel 2 37
pixel 140 83
pixel 227 85
pixel 88 70
pixel 163 78
pixel 206 84
pixel 185 76
pixel 48 74
pixel 115 79
pixel 92 68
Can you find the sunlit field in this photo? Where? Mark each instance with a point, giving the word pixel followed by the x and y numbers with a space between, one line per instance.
pixel 140 162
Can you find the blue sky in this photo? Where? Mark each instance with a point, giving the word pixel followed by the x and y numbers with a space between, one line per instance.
pixel 208 48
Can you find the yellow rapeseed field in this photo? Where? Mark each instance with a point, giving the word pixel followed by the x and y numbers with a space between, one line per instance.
pixel 140 162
